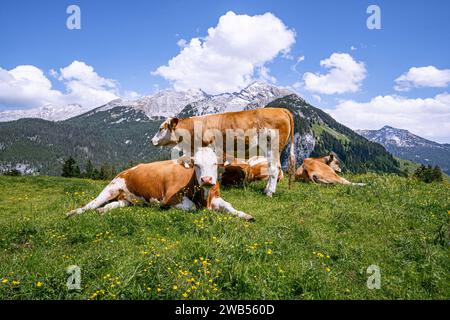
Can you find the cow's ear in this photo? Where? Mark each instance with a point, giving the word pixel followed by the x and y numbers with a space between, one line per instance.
pixel 173 123
pixel 331 156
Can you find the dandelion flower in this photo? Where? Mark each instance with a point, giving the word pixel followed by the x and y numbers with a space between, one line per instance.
pixel 39 284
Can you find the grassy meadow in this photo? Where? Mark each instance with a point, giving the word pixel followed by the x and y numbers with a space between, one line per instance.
pixel 312 242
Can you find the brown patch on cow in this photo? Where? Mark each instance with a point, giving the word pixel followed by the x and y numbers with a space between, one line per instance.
pixel 318 170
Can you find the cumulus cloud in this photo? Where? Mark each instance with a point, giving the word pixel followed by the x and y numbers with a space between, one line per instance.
pixel 264 75
pixel 423 77
pixel 344 75
pixel 26 86
pixel 85 86
pixel 429 118
pixel 227 58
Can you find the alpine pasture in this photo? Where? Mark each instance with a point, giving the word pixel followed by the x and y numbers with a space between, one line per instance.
pixel 311 242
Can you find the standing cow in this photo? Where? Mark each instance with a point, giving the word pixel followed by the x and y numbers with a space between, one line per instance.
pixel 187 184
pixel 214 126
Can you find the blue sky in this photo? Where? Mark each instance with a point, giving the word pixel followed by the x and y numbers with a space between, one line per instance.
pixel 124 41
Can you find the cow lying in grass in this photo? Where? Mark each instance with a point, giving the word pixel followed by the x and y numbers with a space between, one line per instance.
pixel 322 170
pixel 188 184
pixel 239 171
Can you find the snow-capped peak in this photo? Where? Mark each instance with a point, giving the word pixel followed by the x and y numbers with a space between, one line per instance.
pixel 165 103
pixel 398 137
pixel 47 112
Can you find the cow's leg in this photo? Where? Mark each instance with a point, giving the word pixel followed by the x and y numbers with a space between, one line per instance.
pixel 186 204
pixel 219 204
pixel 111 191
pixel 113 205
pixel 324 181
pixel 345 181
pixel 274 170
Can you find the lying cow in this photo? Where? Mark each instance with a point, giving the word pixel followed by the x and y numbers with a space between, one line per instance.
pixel 171 132
pixel 322 170
pixel 185 184
pixel 241 171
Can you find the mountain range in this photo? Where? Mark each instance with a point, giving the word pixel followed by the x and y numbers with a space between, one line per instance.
pixel 119 131
pixel 406 145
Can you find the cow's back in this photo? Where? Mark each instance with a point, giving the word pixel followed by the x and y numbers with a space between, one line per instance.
pixel 262 118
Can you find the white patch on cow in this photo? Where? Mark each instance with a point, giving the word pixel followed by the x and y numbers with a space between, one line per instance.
pixel 186 204
pixel 205 164
pixel 256 160
pixel 110 192
pixel 219 204
pixel 113 205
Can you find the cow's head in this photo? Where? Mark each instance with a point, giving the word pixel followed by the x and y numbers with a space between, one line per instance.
pixel 333 161
pixel 166 133
pixel 205 166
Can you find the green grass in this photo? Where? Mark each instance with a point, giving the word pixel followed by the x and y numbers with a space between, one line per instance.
pixel 318 129
pixel 313 242
pixel 411 167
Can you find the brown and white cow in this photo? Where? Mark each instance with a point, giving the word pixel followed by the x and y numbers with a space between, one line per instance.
pixel 187 183
pixel 241 171
pixel 322 170
pixel 173 131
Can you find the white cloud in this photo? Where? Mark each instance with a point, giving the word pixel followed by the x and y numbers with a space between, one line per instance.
pixel 182 43
pixel 299 59
pixel 317 98
pixel 344 75
pixel 264 75
pixel 429 118
pixel 85 86
pixel 227 58
pixel 423 77
pixel 26 86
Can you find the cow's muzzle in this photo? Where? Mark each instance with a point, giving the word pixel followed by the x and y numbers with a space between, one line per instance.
pixel 206 181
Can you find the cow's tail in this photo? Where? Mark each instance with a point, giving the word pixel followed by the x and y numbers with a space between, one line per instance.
pixel 291 161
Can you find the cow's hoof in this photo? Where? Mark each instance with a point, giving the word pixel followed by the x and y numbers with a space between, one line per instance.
pixel 249 218
pixel 269 194
pixel 72 213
